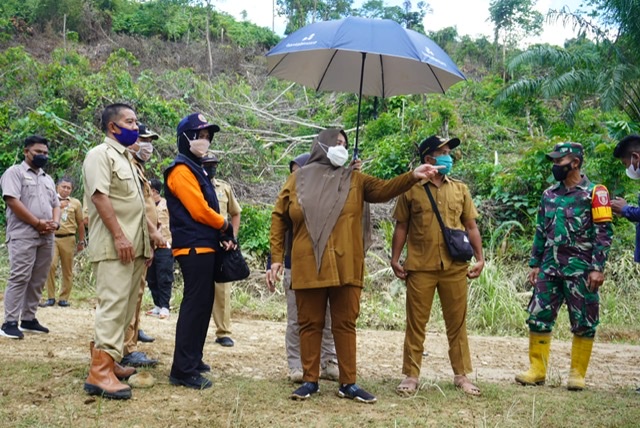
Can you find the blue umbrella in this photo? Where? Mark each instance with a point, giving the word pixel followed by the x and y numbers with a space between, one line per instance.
pixel 392 60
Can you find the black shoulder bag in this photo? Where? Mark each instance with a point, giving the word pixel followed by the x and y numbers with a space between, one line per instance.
pixel 457 240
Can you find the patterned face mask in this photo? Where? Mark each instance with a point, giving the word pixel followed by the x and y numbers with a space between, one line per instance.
pixel 145 151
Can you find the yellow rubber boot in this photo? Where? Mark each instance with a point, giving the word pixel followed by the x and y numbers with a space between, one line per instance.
pixel 539 347
pixel 580 356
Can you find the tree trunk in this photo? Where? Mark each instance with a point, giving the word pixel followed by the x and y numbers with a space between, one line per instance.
pixel 445 127
pixel 64 31
pixel 209 47
pixel 504 60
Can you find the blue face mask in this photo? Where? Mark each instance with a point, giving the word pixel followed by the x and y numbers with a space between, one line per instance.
pixel 126 137
pixel 446 161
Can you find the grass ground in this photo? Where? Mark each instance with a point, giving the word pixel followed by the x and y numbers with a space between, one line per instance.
pixel 41 379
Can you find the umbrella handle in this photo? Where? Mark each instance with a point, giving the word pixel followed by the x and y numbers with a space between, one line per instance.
pixel 355 148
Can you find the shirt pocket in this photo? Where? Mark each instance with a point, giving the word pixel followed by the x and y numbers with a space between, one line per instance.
pixel 421 217
pixel 549 220
pixel 454 211
pixel 51 190
pixel 576 220
pixel 29 186
pixel 123 180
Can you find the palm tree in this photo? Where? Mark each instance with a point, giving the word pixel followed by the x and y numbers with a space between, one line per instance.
pixel 584 73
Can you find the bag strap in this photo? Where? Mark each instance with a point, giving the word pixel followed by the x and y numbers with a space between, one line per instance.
pixel 434 206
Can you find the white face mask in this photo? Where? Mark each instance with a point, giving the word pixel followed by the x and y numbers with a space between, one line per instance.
pixel 199 147
pixel 145 149
pixel 632 172
pixel 337 155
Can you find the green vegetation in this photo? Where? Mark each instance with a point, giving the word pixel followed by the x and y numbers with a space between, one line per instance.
pixel 62 61
pixel 506 128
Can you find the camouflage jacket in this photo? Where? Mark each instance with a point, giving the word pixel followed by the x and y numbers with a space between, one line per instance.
pixel 568 242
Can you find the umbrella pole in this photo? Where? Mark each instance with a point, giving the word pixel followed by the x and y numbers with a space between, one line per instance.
pixel 355 150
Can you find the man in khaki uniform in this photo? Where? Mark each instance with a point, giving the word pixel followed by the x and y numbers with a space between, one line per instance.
pixel 119 244
pixel 229 208
pixel 71 222
pixel 141 152
pixel 33 215
pixel 429 266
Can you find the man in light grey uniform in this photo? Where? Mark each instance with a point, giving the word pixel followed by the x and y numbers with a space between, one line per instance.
pixel 33 215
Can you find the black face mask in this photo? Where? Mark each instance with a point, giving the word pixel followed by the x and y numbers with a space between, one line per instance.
pixel 560 172
pixel 39 161
pixel 210 170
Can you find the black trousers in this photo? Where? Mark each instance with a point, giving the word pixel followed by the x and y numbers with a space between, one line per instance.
pixel 195 312
pixel 160 277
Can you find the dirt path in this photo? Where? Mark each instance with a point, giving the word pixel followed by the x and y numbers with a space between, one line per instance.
pixel 259 351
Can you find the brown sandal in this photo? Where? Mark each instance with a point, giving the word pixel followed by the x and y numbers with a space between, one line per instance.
pixel 464 384
pixel 407 387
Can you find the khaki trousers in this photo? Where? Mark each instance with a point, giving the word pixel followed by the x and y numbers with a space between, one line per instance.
pixel 222 309
pixel 131 334
pixel 292 335
pixel 29 261
pixel 63 250
pixel 452 286
pixel 117 289
pixel 345 308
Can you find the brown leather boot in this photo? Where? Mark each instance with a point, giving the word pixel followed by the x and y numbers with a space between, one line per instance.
pixel 121 372
pixel 102 380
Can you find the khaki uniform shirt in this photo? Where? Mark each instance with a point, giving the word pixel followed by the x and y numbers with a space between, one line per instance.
pixel 149 203
pixel 426 249
pixel 70 217
pixel 108 169
pixel 163 219
pixel 229 205
pixel 36 190
pixel 343 257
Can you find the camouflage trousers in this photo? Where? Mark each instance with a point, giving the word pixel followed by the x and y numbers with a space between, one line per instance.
pixel 550 292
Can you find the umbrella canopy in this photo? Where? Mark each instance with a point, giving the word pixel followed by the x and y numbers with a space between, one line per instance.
pixel 377 55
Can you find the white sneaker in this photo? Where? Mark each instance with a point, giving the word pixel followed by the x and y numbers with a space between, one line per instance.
pixel 154 312
pixel 295 375
pixel 164 313
pixel 329 370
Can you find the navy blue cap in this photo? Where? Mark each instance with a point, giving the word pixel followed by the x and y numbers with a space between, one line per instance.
pixel 196 121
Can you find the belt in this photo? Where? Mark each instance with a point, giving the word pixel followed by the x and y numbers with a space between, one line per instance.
pixel 65 235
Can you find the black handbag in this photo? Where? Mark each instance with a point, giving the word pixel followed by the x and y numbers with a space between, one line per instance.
pixel 457 240
pixel 230 266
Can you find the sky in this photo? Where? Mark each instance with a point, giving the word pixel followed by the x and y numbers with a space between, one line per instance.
pixel 473 20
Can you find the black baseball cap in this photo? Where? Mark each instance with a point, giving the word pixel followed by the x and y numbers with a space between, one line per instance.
pixel 210 159
pixel 434 142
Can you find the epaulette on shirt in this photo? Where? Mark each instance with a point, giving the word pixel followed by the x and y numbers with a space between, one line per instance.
pixel 600 204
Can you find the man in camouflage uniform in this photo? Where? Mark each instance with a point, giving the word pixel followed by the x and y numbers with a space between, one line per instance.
pixel 570 247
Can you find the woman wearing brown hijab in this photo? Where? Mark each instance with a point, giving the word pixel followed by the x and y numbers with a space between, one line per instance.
pixel 323 204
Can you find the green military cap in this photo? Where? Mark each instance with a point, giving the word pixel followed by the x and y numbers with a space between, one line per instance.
pixel 563 149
